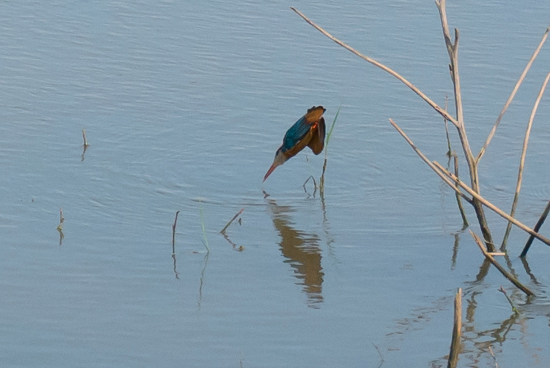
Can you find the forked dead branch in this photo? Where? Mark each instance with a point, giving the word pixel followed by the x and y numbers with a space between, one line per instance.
pixel 470 193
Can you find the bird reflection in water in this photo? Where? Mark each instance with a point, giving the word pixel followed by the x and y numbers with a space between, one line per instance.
pixel 301 251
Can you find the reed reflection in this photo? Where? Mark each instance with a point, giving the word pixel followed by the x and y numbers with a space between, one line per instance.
pixel 483 334
pixel 478 342
pixel 301 251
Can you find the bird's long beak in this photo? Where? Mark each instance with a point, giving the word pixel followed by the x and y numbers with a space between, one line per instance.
pixel 277 161
pixel 271 169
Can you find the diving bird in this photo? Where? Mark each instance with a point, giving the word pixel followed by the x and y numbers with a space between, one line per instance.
pixel 308 131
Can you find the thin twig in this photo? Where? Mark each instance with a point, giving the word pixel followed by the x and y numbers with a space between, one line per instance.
pixel 61 220
pixel 450 151
pixel 491 206
pixel 435 106
pixel 457 331
pixel 429 163
pixel 512 95
pixel 452 49
pixel 60 226
pixel 445 27
pixel 444 174
pixel 458 199
pixel 536 228
pixel 61 236
pixel 453 155
pixel 85 146
pixel 174 245
pixel 501 269
pixel 174 233
pixel 522 160
pixel 231 221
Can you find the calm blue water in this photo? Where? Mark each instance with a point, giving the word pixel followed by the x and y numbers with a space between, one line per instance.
pixel 184 105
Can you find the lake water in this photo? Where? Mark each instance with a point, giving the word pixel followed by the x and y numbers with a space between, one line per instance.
pixel 184 105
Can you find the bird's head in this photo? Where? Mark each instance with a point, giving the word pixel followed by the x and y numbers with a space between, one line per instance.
pixel 277 161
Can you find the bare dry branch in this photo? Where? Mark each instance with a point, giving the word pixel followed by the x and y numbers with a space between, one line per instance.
pixel 501 269
pixel 491 206
pixel 536 228
pixel 452 49
pixel 447 135
pixel 435 106
pixel 522 160
pixel 174 241
pixel 429 163
pixel 451 179
pixel 512 95
pixel 458 200
pixel 452 155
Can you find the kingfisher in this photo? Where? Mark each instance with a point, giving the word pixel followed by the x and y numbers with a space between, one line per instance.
pixel 308 131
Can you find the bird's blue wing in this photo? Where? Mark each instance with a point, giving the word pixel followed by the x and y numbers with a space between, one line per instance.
pixel 296 133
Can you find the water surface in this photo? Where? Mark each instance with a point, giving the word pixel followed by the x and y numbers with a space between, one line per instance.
pixel 184 105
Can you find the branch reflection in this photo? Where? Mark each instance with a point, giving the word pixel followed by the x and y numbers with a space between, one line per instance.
pixel 478 342
pixel 301 251
pixel 486 333
pixel 61 236
pixel 85 147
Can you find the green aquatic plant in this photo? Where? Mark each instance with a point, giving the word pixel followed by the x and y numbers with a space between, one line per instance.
pixel 327 141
